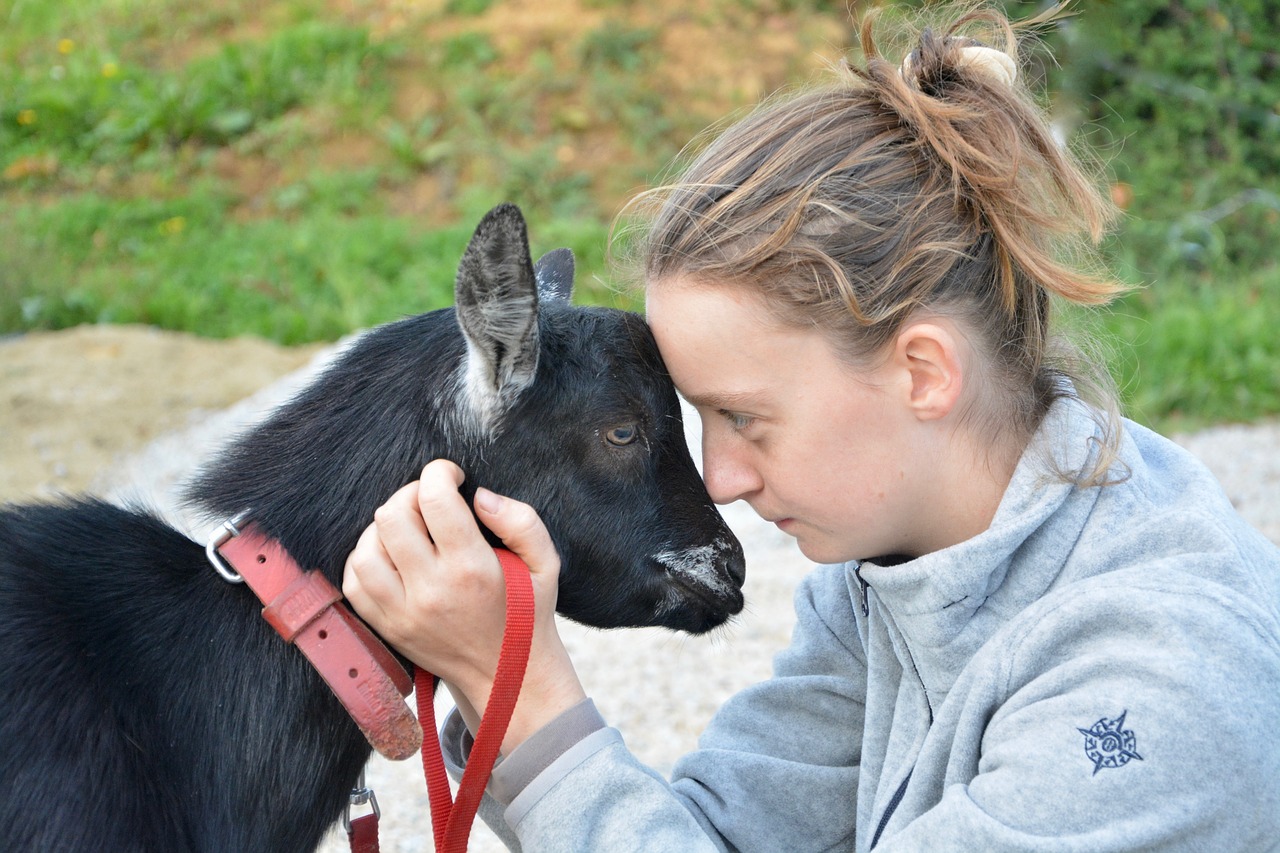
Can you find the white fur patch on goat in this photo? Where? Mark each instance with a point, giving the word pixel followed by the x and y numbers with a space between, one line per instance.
pixel 479 401
pixel 698 566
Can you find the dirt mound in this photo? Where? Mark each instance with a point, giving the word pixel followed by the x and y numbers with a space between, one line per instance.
pixel 73 402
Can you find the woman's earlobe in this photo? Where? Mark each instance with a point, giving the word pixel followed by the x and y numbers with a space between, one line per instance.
pixel 930 353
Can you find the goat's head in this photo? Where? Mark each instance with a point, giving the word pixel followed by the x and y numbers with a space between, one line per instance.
pixel 571 410
pixel 567 408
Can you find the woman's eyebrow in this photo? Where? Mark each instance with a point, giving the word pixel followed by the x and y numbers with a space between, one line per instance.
pixel 722 399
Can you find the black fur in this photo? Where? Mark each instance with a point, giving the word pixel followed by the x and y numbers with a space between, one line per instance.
pixel 146 706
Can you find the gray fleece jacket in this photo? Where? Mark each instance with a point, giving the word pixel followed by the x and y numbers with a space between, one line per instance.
pixel 1098 671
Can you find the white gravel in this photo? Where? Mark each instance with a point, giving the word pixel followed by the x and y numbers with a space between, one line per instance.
pixel 658 688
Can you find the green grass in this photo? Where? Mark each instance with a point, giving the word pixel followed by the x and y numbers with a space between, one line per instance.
pixel 185 264
pixel 115 212
pixel 1190 353
pixel 243 168
pixel 87 108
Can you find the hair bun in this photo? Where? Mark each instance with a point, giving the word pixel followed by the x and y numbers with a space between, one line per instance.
pixel 995 65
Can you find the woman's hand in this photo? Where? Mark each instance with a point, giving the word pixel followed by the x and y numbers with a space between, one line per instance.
pixel 424 578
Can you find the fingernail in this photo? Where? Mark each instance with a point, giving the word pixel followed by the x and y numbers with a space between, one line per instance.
pixel 488 501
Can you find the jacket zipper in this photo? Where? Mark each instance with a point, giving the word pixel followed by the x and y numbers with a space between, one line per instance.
pixel 889 809
pixel 896 799
pixel 862 586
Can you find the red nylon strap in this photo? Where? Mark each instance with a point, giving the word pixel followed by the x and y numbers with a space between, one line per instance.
pixel 451 820
pixel 308 611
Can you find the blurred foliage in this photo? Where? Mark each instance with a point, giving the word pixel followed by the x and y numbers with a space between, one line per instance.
pixel 299 168
pixel 84 107
pixel 1184 97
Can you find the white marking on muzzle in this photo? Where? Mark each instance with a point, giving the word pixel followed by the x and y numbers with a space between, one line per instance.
pixel 698 566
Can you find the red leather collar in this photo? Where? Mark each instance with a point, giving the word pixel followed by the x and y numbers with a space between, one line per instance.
pixel 307 611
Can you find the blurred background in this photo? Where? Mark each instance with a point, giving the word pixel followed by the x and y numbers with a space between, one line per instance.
pixel 299 169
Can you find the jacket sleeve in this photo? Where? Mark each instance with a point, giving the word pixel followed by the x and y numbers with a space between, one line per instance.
pixel 772 758
pixel 1125 715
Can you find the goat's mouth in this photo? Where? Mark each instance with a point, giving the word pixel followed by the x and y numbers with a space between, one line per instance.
pixel 695 608
pixel 699 596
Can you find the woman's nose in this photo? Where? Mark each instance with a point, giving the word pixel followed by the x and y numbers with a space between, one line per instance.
pixel 727 474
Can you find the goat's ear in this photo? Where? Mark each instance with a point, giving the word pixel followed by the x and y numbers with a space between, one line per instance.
pixel 496 297
pixel 554 272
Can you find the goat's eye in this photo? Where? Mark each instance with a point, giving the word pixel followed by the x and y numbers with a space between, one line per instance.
pixel 621 436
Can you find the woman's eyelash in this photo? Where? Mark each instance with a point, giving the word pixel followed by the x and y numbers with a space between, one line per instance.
pixel 737 421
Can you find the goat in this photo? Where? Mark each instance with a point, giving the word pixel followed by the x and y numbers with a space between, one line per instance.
pixel 145 706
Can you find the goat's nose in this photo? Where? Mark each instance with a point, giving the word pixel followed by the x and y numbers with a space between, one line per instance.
pixel 735 563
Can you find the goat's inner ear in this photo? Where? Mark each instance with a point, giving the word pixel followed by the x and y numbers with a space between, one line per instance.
pixel 496 297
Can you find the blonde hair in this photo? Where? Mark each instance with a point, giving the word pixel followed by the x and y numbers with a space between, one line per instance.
pixel 931 185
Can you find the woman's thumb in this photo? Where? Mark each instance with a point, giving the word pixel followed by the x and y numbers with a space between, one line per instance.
pixel 519 528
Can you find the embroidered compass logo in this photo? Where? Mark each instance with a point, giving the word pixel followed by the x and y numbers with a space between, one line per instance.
pixel 1109 744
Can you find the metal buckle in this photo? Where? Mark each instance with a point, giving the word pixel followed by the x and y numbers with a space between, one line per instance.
pixel 360 795
pixel 229 530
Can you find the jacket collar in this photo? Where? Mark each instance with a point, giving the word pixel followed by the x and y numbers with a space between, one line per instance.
pixel 947 604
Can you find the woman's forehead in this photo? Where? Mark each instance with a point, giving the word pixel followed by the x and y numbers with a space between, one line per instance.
pixel 715 302
pixel 724 349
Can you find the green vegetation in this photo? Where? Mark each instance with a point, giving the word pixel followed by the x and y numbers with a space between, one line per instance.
pixel 1184 100
pixel 230 184
pixel 298 169
pixel 1190 354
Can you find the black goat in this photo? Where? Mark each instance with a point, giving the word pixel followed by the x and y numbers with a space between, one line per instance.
pixel 145 705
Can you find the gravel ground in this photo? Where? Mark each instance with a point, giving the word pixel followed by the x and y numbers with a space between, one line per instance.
pixel 658 688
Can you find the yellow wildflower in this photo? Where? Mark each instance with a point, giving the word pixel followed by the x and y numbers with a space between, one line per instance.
pixel 26 117
pixel 110 69
pixel 65 46
pixel 173 225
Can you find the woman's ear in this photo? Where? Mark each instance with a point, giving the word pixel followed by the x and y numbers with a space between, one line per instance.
pixel 930 353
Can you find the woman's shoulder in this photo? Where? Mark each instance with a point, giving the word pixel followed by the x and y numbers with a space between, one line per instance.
pixel 1185 617
pixel 1168 524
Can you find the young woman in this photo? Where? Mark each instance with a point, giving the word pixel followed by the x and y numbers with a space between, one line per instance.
pixel 1036 626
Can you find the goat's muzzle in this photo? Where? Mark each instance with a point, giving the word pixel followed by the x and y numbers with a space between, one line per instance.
pixel 704 586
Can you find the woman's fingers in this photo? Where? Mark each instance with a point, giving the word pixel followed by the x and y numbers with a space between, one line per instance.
pixel 521 530
pixel 401 528
pixel 447 517
pixel 370 580
pixel 551 684
pixel 425 578
pixel 422 574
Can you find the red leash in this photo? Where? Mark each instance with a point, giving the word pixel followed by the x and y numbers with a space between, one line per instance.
pixel 451 820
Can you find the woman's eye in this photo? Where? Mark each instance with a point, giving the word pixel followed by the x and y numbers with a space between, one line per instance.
pixel 621 436
pixel 737 421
